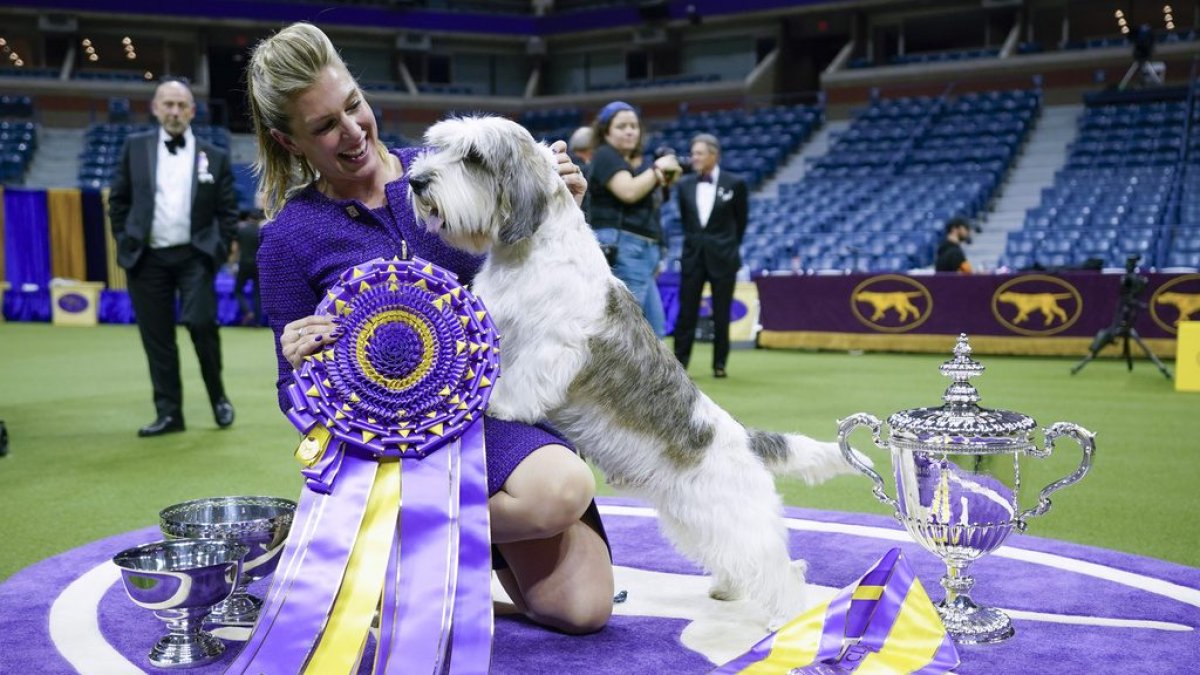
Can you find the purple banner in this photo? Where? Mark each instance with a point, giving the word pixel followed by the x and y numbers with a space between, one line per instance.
pixel 1067 305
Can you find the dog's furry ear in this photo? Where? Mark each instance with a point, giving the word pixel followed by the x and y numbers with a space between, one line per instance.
pixel 524 198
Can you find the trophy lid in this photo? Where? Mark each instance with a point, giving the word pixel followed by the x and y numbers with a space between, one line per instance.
pixel 961 425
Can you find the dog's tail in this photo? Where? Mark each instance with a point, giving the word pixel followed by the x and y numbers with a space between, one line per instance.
pixel 800 456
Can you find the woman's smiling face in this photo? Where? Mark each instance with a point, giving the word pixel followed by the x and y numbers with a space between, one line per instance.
pixel 333 128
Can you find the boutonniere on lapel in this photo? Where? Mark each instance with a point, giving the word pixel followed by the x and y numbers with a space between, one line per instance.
pixel 202 173
pixel 725 194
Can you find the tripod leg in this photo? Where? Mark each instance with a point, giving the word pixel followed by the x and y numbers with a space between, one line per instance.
pixel 1133 70
pixel 1125 352
pixel 1146 348
pixel 1082 362
pixel 1104 337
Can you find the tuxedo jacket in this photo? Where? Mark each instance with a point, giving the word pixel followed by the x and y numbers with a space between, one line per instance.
pixel 131 199
pixel 717 243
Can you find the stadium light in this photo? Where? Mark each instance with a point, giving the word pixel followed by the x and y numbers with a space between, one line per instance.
pixel 3 42
pixel 148 75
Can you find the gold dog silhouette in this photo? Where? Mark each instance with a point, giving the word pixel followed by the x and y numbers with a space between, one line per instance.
pixel 897 300
pixel 1187 303
pixel 1028 303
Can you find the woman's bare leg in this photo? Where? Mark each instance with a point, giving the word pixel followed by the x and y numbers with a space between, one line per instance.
pixel 560 574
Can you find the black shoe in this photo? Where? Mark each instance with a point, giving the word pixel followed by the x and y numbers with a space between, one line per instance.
pixel 720 372
pixel 223 412
pixel 165 424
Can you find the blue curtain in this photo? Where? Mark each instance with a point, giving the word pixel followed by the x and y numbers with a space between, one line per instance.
pixel 115 307
pixel 26 238
pixel 26 255
pixel 668 290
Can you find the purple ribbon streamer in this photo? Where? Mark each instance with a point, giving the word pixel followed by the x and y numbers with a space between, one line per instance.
pixel 287 642
pixel 420 631
pixel 471 645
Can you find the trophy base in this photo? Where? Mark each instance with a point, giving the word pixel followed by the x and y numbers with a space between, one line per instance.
pixel 969 624
pixel 186 650
pixel 239 609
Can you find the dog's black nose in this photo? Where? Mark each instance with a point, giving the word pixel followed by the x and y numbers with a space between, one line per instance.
pixel 418 182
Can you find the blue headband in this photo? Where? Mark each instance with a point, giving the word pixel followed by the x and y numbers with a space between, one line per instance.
pixel 610 110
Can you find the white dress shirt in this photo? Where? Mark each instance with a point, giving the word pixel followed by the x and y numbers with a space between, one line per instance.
pixel 706 194
pixel 173 192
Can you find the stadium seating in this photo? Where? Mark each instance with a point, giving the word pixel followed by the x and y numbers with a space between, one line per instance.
pixel 1121 193
pixel 878 199
pixel 18 138
pixel 753 144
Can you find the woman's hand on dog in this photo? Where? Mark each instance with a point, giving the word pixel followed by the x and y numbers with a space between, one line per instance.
pixel 571 174
pixel 306 336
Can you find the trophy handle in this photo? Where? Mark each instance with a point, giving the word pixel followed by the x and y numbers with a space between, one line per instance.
pixel 1086 441
pixel 844 428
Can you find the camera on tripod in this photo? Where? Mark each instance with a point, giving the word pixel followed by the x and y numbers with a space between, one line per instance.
pixel 1132 283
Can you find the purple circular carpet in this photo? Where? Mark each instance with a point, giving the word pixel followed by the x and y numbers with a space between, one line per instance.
pixel 1077 609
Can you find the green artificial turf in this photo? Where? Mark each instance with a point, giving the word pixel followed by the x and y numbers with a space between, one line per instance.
pixel 72 399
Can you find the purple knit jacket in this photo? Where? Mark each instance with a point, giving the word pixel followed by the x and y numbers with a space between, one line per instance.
pixel 313 239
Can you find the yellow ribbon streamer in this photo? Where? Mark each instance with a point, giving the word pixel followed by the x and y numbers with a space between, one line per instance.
pixel 341 644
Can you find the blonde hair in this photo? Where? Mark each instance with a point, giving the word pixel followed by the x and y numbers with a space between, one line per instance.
pixel 282 67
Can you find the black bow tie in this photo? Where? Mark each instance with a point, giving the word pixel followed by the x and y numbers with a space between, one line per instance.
pixel 175 142
pixel 705 178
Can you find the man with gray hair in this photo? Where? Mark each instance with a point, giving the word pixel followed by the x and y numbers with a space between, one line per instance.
pixel 579 149
pixel 714 206
pixel 173 209
pixel 581 145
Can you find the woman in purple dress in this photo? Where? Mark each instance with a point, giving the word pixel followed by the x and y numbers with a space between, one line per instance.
pixel 336 197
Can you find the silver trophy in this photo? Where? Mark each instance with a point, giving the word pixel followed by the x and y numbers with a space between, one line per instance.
pixel 958 474
pixel 259 523
pixel 180 581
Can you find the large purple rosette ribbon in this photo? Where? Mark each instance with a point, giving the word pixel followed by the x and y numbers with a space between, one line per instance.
pixel 394 406
pixel 882 623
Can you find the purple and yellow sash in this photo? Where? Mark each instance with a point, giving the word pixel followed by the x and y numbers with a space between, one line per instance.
pixel 882 623
pixel 394 406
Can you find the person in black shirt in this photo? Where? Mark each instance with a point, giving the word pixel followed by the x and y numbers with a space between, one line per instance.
pixel 625 203
pixel 950 256
pixel 247 268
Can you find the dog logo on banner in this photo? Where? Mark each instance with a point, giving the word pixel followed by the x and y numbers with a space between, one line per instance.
pixel 1037 304
pixel 891 303
pixel 1175 301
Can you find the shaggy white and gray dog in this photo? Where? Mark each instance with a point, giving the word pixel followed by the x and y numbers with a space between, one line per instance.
pixel 575 350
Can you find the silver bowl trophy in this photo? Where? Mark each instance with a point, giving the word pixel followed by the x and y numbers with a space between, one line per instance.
pixel 180 581
pixel 958 473
pixel 261 524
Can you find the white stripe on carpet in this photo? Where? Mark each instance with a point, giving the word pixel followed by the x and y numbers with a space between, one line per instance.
pixel 75 624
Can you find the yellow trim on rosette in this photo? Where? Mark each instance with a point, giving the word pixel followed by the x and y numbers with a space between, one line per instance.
pixel 795 644
pixel 346 632
pixel 427 349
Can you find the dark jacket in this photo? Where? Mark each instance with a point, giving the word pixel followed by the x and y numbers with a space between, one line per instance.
pixel 131 200
pixel 717 243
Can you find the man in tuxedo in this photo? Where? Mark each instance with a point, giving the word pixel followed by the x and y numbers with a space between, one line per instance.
pixel 173 210
pixel 714 206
